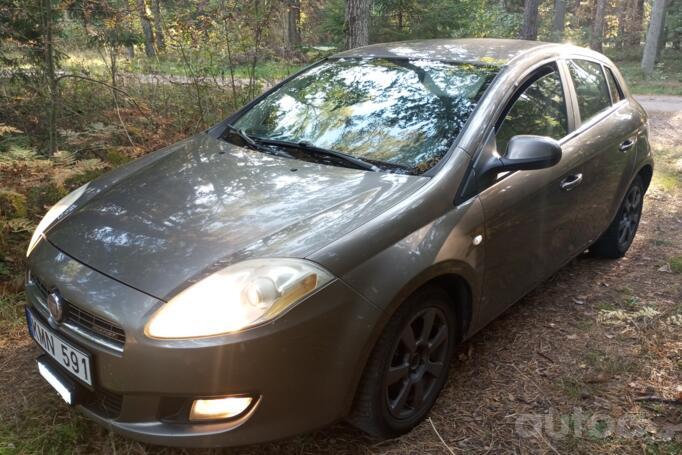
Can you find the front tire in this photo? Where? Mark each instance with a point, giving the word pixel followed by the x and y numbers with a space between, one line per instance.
pixel 408 366
pixel 616 241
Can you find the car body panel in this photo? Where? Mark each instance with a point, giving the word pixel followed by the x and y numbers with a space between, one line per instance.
pixel 268 361
pixel 488 51
pixel 208 204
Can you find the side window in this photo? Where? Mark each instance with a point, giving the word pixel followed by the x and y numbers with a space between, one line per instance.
pixel 540 109
pixel 590 88
pixel 616 92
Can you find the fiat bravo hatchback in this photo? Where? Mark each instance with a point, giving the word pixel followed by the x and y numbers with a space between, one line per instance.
pixel 318 255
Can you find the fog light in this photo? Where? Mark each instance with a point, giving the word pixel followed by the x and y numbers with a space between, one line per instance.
pixel 219 408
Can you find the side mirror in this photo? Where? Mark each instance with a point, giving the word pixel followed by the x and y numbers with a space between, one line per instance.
pixel 525 153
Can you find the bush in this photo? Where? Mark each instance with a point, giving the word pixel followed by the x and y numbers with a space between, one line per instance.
pixel 12 204
pixel 81 179
pixel 117 158
pixel 42 197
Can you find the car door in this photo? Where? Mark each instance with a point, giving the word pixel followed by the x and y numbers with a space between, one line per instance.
pixel 606 137
pixel 528 230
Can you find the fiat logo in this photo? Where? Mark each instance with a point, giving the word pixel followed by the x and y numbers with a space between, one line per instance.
pixel 55 305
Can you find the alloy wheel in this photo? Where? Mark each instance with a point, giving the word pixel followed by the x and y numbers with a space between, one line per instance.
pixel 629 220
pixel 417 362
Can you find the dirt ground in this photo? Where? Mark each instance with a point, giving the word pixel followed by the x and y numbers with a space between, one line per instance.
pixel 589 363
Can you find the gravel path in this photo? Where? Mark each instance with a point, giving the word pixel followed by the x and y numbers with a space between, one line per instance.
pixel 660 103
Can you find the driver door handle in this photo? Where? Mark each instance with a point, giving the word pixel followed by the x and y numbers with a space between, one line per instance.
pixel 626 145
pixel 571 182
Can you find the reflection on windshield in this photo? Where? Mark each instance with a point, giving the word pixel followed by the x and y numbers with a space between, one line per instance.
pixel 400 111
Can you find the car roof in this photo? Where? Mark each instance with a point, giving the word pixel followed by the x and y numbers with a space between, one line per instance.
pixel 489 51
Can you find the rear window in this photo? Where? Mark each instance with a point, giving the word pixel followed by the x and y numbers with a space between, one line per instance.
pixel 590 87
pixel 616 92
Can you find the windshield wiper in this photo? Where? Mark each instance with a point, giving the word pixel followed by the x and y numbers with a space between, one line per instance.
pixel 248 140
pixel 311 149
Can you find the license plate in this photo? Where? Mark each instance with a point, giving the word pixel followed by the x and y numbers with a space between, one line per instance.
pixel 72 359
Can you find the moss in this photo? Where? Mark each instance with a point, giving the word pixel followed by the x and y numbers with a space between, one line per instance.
pixel 676 264
pixel 41 197
pixel 117 158
pixel 77 180
pixel 12 204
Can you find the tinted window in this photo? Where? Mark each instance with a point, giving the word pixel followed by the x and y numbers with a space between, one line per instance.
pixel 590 87
pixel 540 109
pixel 616 93
pixel 405 112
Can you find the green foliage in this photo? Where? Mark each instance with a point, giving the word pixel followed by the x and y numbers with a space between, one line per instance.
pixel 41 197
pixel 80 179
pixel 117 158
pixel 665 80
pixel 12 204
pixel 396 20
pixel 676 264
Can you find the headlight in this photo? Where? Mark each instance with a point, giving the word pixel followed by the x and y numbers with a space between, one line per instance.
pixel 237 297
pixel 54 213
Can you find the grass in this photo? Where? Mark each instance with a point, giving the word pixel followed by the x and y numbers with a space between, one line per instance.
pixel 675 264
pixel 63 435
pixel 198 64
pixel 665 80
pixel 663 448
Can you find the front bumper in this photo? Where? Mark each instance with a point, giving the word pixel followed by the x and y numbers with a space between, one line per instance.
pixel 302 367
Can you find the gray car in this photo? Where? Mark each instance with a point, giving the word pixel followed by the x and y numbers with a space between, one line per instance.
pixel 318 255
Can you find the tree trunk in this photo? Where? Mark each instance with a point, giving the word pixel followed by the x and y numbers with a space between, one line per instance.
pixel 558 22
pixel 50 75
pixel 653 36
pixel 598 26
pixel 636 23
pixel 662 37
pixel 294 24
pixel 623 18
pixel 529 30
pixel 158 25
pixel 356 26
pixel 146 29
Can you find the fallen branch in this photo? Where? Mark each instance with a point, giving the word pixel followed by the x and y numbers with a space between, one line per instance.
pixel 440 437
pixel 658 399
pixel 89 79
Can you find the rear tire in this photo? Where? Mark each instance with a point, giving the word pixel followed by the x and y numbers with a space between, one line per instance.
pixel 616 241
pixel 408 366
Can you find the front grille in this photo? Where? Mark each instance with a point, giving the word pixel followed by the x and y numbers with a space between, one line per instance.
pixel 85 321
pixel 92 323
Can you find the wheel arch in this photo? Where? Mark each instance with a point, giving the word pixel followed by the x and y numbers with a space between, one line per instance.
pixel 646 172
pixel 455 278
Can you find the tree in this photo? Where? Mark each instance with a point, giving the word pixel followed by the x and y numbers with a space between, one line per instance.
pixel 146 28
pixel 50 74
pixel 558 23
pixel 598 26
pixel 158 25
pixel 635 31
pixel 529 30
pixel 653 35
pixel 356 26
pixel 294 23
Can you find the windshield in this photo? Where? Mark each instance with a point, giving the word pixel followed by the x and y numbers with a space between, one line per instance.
pixel 397 111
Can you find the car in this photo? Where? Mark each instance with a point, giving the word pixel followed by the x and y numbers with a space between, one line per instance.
pixel 318 255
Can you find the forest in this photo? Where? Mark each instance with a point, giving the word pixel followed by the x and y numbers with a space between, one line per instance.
pixel 89 85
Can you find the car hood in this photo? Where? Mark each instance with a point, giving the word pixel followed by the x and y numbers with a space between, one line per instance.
pixel 205 204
